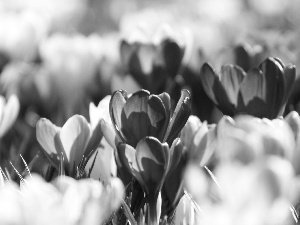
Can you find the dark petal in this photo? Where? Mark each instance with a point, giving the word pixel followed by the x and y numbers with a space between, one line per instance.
pixel 176 151
pixel 94 141
pixel 231 78
pixel 208 79
pixel 279 61
pixel 165 97
pixel 215 90
pixel 158 116
pixel 172 189
pixel 116 105
pixel 47 135
pixel 275 84
pixel 172 54
pixel 127 156
pixel 242 56
pixel 290 77
pixel 150 156
pixel 143 115
pixel 134 117
pixel 179 117
pixel 253 94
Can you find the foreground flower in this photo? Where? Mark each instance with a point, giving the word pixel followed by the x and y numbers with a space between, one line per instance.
pixel 65 201
pixel 146 138
pixel 9 112
pixel 261 92
pixel 257 193
pixel 73 144
pixel 246 139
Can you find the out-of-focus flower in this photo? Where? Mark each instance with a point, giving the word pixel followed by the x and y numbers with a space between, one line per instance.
pixel 257 193
pixel 246 139
pixel 265 8
pixel 63 16
pixel 21 33
pixel 73 144
pixel 9 112
pixel 65 201
pixel 245 55
pixel 145 134
pixel 31 84
pixel 72 64
pixel 153 63
pixel 261 92
pixel 293 120
pixel 199 140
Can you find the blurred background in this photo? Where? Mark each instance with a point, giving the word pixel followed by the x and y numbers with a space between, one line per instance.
pixel 58 56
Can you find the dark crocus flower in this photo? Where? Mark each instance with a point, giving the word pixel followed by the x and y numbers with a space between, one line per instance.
pixel 261 92
pixel 247 56
pixel 145 132
pixel 153 65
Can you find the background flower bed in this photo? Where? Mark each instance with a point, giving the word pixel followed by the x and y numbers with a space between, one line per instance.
pixel 213 137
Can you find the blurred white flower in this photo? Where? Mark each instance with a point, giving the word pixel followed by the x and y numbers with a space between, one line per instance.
pixel 64 202
pixel 64 15
pixel 72 62
pixel 9 112
pixel 248 138
pixel 21 33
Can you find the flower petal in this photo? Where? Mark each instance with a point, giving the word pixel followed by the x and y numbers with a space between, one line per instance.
pixel 253 94
pixel 110 134
pixel 172 54
pixel 74 137
pixel 126 51
pixel 101 111
pixel 96 136
pixel 10 114
pixel 176 151
pixel 290 77
pixel 127 156
pixel 231 78
pixel 179 118
pixel 116 105
pixel 208 79
pixel 215 90
pixel 47 135
pixel 273 73
pixel 151 161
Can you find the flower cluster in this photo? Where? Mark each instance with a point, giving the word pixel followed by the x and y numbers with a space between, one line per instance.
pixel 123 112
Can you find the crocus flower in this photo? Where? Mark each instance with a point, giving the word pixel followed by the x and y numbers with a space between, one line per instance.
pixel 101 165
pixel 153 63
pixel 21 34
pixel 245 55
pixel 145 134
pixel 261 92
pixel 257 193
pixel 9 112
pixel 246 139
pixel 73 144
pixel 198 139
pixel 63 201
